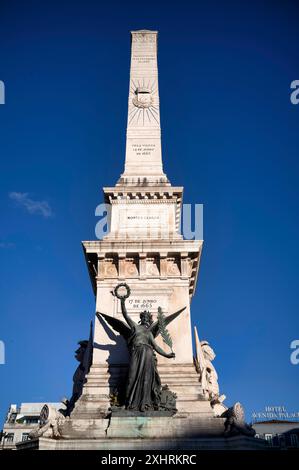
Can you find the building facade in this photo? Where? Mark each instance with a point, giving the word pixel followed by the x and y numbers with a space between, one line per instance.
pixel 19 422
pixel 279 433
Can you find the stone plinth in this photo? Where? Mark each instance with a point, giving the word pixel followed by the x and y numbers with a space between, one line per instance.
pixel 179 426
pixel 182 379
pixel 197 444
pixel 180 432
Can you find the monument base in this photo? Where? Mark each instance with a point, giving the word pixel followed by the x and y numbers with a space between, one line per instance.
pixel 200 444
pixel 178 432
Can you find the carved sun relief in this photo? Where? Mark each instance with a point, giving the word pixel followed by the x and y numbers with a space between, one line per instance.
pixel 145 108
pixel 143 98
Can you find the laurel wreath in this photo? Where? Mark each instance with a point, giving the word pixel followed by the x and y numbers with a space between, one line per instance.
pixel 125 296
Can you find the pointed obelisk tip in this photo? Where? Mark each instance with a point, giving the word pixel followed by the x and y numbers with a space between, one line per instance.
pixel 143 161
pixel 144 31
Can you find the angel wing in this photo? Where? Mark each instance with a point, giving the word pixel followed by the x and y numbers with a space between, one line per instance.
pixel 116 324
pixel 155 326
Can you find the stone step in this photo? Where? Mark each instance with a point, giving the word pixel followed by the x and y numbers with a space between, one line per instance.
pixel 107 377
pixel 179 381
pixel 123 367
pixel 163 428
pixel 171 382
pixel 123 372
pixel 194 398
pixel 176 366
pixel 163 375
pixel 179 374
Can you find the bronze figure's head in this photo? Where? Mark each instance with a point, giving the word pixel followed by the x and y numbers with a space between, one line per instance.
pixel 146 318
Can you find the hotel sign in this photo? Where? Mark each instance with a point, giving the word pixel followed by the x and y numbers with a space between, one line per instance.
pixel 275 413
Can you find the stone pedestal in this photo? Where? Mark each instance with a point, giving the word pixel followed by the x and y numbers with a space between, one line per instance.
pixel 182 379
pixel 145 434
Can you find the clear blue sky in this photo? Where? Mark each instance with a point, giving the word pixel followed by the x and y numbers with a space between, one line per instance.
pixel 230 137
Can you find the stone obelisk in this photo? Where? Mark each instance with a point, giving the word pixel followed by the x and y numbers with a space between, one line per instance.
pixel 143 163
pixel 143 248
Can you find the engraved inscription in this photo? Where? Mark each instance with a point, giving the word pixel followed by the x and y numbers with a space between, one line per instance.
pixel 145 59
pixel 143 149
pixel 143 37
pixel 142 303
pixel 138 303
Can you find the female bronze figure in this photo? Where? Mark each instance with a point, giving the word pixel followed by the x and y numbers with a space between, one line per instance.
pixel 143 388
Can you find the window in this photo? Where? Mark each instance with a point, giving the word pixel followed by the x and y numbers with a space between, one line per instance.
pixel 257 436
pixel 9 437
pixel 294 440
pixel 31 419
pixel 268 438
pixel 25 436
pixel 282 440
pixel 12 418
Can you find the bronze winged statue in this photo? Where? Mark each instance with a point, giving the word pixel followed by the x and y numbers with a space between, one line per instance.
pixel 143 388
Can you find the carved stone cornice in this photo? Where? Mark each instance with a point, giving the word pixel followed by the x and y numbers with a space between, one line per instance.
pixel 122 261
pixel 145 200
pixel 127 192
pixel 136 246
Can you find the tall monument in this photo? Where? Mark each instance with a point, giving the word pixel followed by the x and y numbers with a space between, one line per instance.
pixel 172 397
pixel 144 246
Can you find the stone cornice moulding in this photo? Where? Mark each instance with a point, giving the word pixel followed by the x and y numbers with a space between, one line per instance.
pixel 151 246
pixel 143 201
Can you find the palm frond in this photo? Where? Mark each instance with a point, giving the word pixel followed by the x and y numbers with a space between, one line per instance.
pixel 162 328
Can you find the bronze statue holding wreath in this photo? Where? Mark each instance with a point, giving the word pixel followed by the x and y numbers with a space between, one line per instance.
pixel 143 388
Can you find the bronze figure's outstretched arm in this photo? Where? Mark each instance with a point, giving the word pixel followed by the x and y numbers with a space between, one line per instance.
pixel 160 350
pixel 129 320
